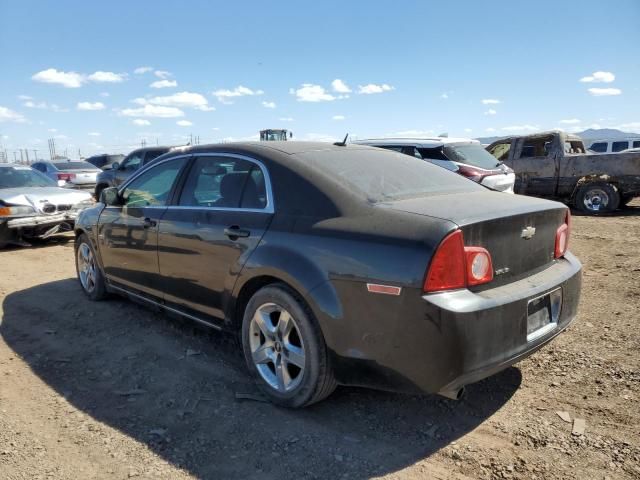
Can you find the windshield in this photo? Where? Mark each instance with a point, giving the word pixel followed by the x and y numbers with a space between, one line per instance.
pixel 382 175
pixel 471 154
pixel 74 166
pixel 16 177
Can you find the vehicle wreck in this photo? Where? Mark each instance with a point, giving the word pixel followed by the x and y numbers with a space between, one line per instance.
pixel 32 206
pixel 555 165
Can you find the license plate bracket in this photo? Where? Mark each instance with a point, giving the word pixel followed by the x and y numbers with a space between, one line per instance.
pixel 543 313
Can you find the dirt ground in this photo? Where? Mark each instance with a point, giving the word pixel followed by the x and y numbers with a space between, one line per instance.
pixel 114 390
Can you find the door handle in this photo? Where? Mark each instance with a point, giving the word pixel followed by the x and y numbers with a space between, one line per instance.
pixel 235 231
pixel 148 223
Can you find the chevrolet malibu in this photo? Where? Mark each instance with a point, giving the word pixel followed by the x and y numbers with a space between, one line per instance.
pixel 337 264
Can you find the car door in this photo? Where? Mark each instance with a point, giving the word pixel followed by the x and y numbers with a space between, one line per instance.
pixel 218 219
pixel 535 162
pixel 128 167
pixel 128 234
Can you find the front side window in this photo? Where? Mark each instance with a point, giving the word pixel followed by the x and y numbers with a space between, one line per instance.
pixel 153 187
pixel 471 154
pixel 600 147
pixel 132 162
pixel 619 146
pixel 224 182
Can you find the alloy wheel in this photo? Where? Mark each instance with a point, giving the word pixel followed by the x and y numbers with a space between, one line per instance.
pixel 277 348
pixel 86 268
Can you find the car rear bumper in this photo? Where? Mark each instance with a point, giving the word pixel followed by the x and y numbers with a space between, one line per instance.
pixel 441 342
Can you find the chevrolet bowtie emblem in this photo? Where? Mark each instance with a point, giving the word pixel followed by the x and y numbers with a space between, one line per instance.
pixel 528 233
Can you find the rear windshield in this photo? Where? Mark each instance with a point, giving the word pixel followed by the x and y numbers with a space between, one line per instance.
pixel 19 177
pixel 471 154
pixel 73 165
pixel 382 175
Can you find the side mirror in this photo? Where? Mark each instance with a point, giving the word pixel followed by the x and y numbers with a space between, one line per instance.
pixel 115 166
pixel 110 197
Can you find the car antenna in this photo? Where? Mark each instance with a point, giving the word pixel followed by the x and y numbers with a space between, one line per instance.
pixel 343 143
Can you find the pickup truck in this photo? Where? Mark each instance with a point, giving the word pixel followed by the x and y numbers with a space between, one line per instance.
pixel 555 165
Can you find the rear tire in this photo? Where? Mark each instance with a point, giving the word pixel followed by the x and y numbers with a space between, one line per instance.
pixel 597 197
pixel 88 270
pixel 284 348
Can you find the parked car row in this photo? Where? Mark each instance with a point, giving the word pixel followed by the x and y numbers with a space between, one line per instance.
pixel 337 264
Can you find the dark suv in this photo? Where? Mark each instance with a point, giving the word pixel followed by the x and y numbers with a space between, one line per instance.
pixel 104 161
pixel 119 172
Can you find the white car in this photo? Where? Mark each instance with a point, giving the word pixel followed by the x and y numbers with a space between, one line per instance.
pixel 33 206
pixel 614 146
pixel 70 173
pixel 464 156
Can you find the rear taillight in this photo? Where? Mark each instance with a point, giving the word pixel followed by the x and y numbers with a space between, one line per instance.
pixel 562 237
pixel 472 173
pixel 455 266
pixel 66 176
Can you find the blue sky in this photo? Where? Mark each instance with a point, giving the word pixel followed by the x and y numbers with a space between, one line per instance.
pixel 224 70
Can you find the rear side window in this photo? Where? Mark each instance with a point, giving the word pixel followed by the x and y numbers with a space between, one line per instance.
pixel 600 147
pixel 224 182
pixel 619 146
pixel 471 154
pixel 152 155
pixel 636 144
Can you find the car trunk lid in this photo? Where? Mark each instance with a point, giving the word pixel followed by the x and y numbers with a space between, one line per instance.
pixel 519 232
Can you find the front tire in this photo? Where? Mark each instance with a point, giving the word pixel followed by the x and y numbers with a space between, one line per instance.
pixel 597 197
pixel 88 271
pixel 284 348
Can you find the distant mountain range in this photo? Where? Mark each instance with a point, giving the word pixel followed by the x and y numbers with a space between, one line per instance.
pixel 587 135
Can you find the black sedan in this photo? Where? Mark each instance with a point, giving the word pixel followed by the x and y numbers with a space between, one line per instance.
pixel 337 264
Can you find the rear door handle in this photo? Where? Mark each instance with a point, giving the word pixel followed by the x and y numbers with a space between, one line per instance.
pixel 148 223
pixel 235 231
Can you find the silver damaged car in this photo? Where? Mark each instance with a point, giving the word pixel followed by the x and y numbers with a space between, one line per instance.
pixel 33 206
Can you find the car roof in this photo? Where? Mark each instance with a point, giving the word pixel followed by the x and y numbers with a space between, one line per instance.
pixel 428 142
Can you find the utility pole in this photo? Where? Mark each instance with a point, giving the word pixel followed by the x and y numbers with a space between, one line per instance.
pixel 21 157
pixel 35 155
pixel 26 154
pixel 15 157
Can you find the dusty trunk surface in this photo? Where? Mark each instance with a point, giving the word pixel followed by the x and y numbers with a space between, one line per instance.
pixel 114 390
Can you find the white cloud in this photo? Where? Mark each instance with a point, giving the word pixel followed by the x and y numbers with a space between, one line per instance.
pixel 604 92
pixel 25 97
pixel 309 92
pixel 184 123
pixel 215 129
pixel 570 121
pixel 7 115
pixel 371 88
pixel 32 104
pixel 340 87
pixel 468 130
pixel 490 101
pixel 599 77
pixel 57 108
pixel 491 111
pixel 90 106
pixel 223 95
pixel 164 84
pixel 444 96
pixel 180 99
pixel 66 79
pixel 107 77
pixel 104 94
pixel 141 122
pixel 521 128
pixel 142 70
pixel 490 130
pixel 154 111
pixel 269 104
pixel 162 74
pixel 338 117
pixel 94 134
pixel 414 133
pixel 53 130
pixel 286 119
